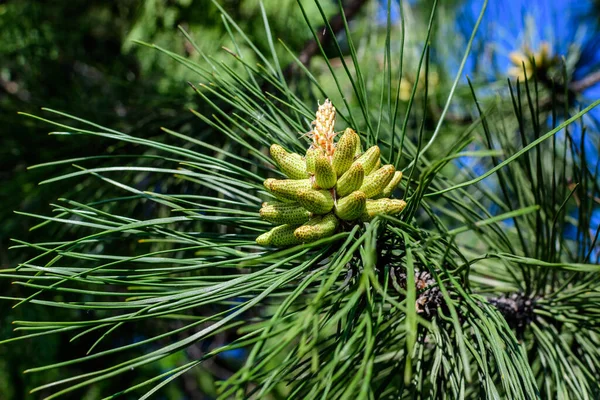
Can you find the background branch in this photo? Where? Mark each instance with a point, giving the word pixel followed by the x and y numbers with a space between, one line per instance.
pixel 311 47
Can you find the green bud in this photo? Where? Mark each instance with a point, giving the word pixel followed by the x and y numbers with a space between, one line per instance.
pixel 316 201
pixel 369 159
pixel 280 236
pixel 350 181
pixel 311 157
pixel 284 213
pixel 358 150
pixel 291 164
pixel 351 207
pixel 377 166
pixel 317 228
pixel 382 206
pixel 377 181
pixel 286 189
pixel 387 191
pixel 344 152
pixel 325 177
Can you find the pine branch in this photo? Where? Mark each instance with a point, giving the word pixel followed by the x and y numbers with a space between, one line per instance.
pixel 337 25
pixel 586 82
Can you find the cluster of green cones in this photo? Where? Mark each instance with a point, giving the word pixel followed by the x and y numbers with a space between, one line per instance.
pixel 326 191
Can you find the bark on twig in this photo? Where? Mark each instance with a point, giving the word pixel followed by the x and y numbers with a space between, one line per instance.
pixel 584 83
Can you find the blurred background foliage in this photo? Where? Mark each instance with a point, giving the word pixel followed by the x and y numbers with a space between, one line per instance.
pixel 81 56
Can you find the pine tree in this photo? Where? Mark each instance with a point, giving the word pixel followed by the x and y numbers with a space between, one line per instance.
pixel 443 297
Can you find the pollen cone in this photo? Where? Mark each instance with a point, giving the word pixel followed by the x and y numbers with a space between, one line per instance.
pixel 316 201
pixel 280 236
pixel 344 152
pixel 291 164
pixel 317 228
pixel 284 213
pixel 351 180
pixel 351 207
pixel 358 150
pixel 382 206
pixel 369 159
pixel 325 177
pixel 389 189
pixel 286 189
pixel 311 157
pixel 377 181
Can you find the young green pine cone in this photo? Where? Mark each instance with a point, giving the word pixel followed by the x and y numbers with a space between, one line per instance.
pixel 350 181
pixel 316 201
pixel 317 228
pixel 387 191
pixel 382 206
pixel 344 152
pixel 358 150
pixel 351 207
pixel 325 177
pixel 311 157
pixel 284 213
pixel 369 159
pixel 377 166
pixel 291 164
pixel 280 236
pixel 377 181
pixel 286 189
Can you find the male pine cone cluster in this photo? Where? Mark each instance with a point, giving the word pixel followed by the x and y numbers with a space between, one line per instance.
pixel 334 182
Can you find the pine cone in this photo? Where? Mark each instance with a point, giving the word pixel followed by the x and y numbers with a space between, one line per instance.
pixel 333 182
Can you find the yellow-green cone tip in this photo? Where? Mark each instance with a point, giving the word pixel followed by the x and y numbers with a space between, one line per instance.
pixel 377 181
pixel 280 236
pixel 291 164
pixel 382 206
pixel 325 177
pixel 350 181
pixel 389 189
pixel 316 201
pixel 286 189
pixel 311 157
pixel 377 166
pixel 369 159
pixel 284 213
pixel 351 207
pixel 344 152
pixel 358 150
pixel 317 228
